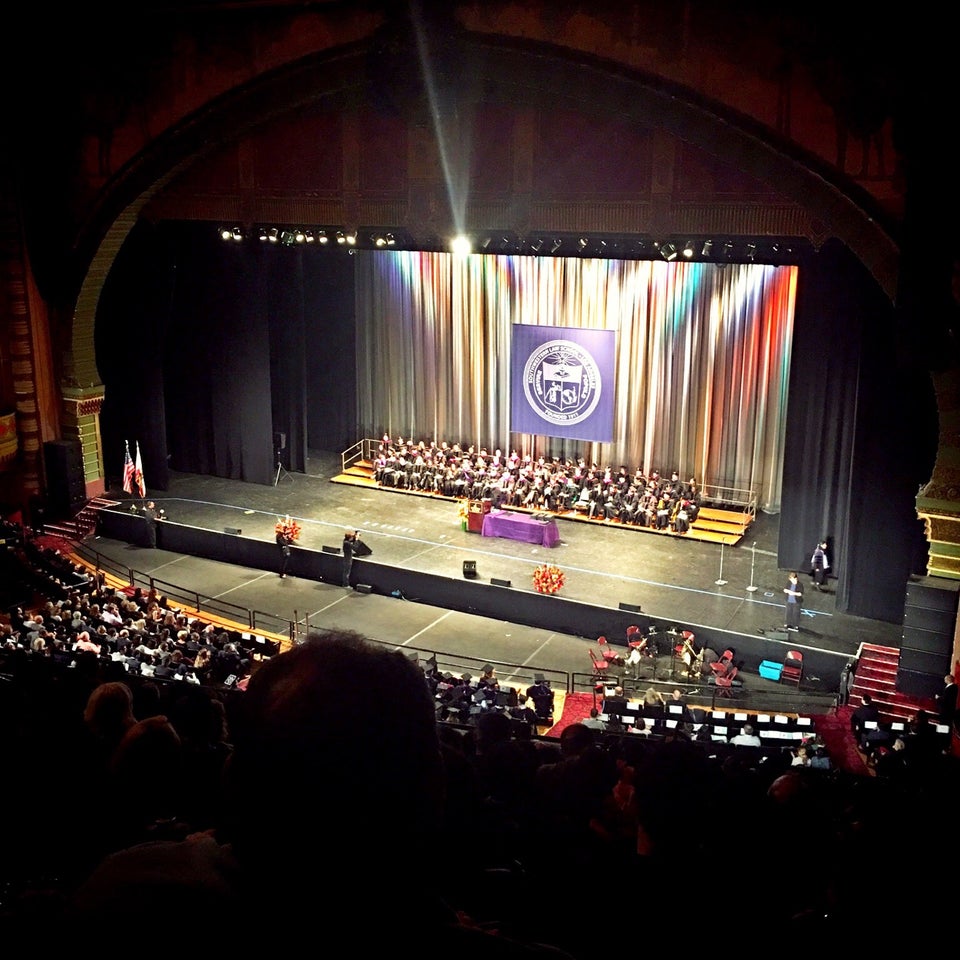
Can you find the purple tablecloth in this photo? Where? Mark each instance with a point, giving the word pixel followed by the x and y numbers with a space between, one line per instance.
pixel 520 526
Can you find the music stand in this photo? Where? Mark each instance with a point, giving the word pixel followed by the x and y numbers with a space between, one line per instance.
pixel 281 471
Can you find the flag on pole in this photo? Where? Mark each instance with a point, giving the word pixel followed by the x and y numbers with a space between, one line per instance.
pixel 128 469
pixel 138 474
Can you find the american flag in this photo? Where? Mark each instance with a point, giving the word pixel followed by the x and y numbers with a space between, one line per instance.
pixel 138 474
pixel 128 469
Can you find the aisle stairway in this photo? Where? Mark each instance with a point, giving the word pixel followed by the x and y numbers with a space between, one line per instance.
pixel 876 674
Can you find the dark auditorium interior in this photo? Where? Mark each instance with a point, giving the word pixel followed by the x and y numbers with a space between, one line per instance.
pixel 411 414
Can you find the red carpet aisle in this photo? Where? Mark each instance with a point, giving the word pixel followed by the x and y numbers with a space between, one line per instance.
pixel 576 707
pixel 834 728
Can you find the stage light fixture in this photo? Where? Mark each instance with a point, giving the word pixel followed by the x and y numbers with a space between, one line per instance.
pixel 274 235
pixel 460 246
pixel 379 240
pixel 322 236
pixel 485 243
pixel 299 235
pixel 352 237
pixel 775 247
pixel 288 238
pixel 668 251
pixel 341 239
pixel 688 249
pixel 391 240
pixel 555 246
pixel 582 243
pixel 707 248
pixel 728 249
pixel 225 234
pixel 536 245
pixel 751 251
pixel 308 236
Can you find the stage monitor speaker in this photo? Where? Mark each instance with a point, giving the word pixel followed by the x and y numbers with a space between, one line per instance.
pixel 470 568
pixel 280 441
pixel 364 588
pixel 328 549
pixel 630 607
pixel 497 582
pixel 235 531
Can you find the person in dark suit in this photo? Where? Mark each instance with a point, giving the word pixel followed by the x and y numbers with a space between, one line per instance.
pixel 353 546
pixel 865 712
pixel 284 542
pixel 947 701
pixel 150 517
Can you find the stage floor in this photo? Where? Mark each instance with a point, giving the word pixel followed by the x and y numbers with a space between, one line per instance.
pixel 673 580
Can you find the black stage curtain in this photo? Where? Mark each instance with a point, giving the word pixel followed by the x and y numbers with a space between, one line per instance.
pixel 288 384
pixel 217 370
pixel 209 349
pixel 130 340
pixel 331 361
pixel 858 441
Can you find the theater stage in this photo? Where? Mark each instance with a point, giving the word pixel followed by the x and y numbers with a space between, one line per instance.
pixel 419 550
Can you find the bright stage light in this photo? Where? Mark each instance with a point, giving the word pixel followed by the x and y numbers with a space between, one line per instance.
pixel 461 246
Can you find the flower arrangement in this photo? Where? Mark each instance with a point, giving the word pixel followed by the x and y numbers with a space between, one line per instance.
pixel 547 578
pixel 288 527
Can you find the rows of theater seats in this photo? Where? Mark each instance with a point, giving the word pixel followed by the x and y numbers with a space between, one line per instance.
pixel 527 822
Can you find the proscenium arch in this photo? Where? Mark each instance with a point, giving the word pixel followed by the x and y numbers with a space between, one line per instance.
pixel 494 69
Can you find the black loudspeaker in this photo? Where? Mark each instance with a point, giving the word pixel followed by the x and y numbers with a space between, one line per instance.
pixel 921 661
pixel 933 593
pixel 927 618
pixel 328 549
pixel 364 588
pixel 66 487
pixel 500 583
pixel 932 642
pixel 232 530
pixel 470 568
pixel 919 684
pixel 630 607
pixel 280 441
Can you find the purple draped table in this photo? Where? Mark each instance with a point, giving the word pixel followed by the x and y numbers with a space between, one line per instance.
pixel 520 526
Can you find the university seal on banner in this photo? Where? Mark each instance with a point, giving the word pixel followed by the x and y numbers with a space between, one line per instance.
pixel 561 381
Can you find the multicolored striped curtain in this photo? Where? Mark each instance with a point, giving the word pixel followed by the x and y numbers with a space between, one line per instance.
pixel 703 356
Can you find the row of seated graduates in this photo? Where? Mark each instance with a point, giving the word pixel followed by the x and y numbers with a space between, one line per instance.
pixel 151 638
pixel 555 485
pixel 464 699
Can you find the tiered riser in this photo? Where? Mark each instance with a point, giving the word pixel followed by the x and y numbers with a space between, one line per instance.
pixel 713 525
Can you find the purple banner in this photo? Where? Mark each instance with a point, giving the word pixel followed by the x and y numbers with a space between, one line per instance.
pixel 562 382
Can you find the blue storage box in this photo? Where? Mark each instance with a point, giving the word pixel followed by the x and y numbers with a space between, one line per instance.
pixel 770 670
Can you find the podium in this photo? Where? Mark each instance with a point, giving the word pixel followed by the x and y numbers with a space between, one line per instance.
pixel 476 511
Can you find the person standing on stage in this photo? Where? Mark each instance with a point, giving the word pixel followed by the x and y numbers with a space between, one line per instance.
pixel 353 546
pixel 150 517
pixel 284 540
pixel 820 565
pixel 794 592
